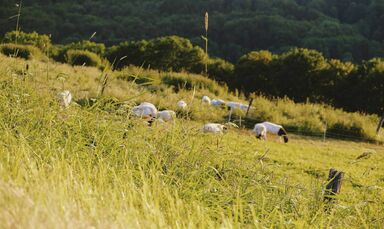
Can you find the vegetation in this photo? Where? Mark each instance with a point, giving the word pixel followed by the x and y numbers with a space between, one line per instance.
pixel 22 51
pixel 41 41
pixel 300 74
pixel 86 58
pixel 347 30
pixel 96 166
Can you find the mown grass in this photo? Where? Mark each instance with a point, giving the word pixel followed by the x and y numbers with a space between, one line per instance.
pixel 96 166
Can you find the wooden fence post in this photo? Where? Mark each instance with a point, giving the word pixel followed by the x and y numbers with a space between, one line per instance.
pixel 380 124
pixel 333 184
pixel 230 115
pixel 249 107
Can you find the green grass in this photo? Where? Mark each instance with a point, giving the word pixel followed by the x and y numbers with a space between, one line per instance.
pixel 97 166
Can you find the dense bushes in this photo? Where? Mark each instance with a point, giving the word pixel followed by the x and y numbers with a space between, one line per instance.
pixel 345 29
pixel 41 41
pixel 79 57
pixel 59 52
pixel 170 53
pixel 22 51
pixel 305 75
pixel 177 81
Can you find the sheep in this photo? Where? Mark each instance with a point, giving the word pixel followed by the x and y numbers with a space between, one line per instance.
pixel 65 98
pixel 261 130
pixel 145 110
pixel 214 128
pixel 217 102
pixel 244 107
pixel 236 105
pixel 148 104
pixel 206 99
pixel 233 105
pixel 166 115
pixel 182 104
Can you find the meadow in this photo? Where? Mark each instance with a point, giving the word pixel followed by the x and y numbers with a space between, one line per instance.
pixel 93 165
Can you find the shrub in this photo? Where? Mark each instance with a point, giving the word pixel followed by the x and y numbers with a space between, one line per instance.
pixel 59 52
pixel 21 51
pixel 79 57
pixel 220 70
pixel 43 42
pixel 188 82
pixel 170 53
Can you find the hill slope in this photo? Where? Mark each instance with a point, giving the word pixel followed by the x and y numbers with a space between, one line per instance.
pixel 96 166
pixel 346 30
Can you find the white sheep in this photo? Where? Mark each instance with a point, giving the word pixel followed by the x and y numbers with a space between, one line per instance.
pixel 233 105
pixel 182 104
pixel 206 99
pixel 65 98
pixel 244 107
pixel 166 115
pixel 217 102
pixel 261 130
pixel 214 128
pixel 145 110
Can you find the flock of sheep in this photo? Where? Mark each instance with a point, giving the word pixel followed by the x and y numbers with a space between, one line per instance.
pixel 149 112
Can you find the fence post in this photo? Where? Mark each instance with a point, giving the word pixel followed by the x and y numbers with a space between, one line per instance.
pixel 230 115
pixel 333 184
pixel 249 107
pixel 325 132
pixel 380 124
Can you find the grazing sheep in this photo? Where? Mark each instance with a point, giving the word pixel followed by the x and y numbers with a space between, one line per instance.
pixel 182 104
pixel 166 115
pixel 65 98
pixel 147 104
pixel 244 107
pixel 236 105
pixel 217 102
pixel 214 128
pixel 145 110
pixel 206 99
pixel 261 130
pixel 233 105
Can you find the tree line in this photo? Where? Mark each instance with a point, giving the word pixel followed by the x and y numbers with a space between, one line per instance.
pixel 348 30
pixel 303 75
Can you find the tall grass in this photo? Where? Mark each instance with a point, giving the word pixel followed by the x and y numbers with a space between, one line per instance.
pixel 87 167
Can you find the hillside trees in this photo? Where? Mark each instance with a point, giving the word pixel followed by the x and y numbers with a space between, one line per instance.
pixel 344 29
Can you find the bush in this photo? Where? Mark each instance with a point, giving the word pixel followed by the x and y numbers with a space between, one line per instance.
pixel 220 70
pixel 78 57
pixel 170 53
pixel 21 51
pixel 186 81
pixel 43 42
pixel 59 52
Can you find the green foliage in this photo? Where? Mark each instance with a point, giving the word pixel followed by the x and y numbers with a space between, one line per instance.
pixel 347 30
pixel 128 53
pixel 165 53
pixel 253 72
pixel 43 42
pixel 220 70
pixel 59 51
pixel 86 58
pixel 22 51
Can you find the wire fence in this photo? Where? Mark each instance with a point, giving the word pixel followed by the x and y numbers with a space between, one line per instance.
pixel 327 134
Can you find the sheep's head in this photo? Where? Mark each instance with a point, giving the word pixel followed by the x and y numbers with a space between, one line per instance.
pixel 260 131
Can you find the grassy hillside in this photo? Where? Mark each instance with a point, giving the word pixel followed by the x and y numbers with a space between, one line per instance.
pixel 95 165
pixel 348 30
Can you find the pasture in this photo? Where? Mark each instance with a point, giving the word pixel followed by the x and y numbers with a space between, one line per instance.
pixel 93 165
